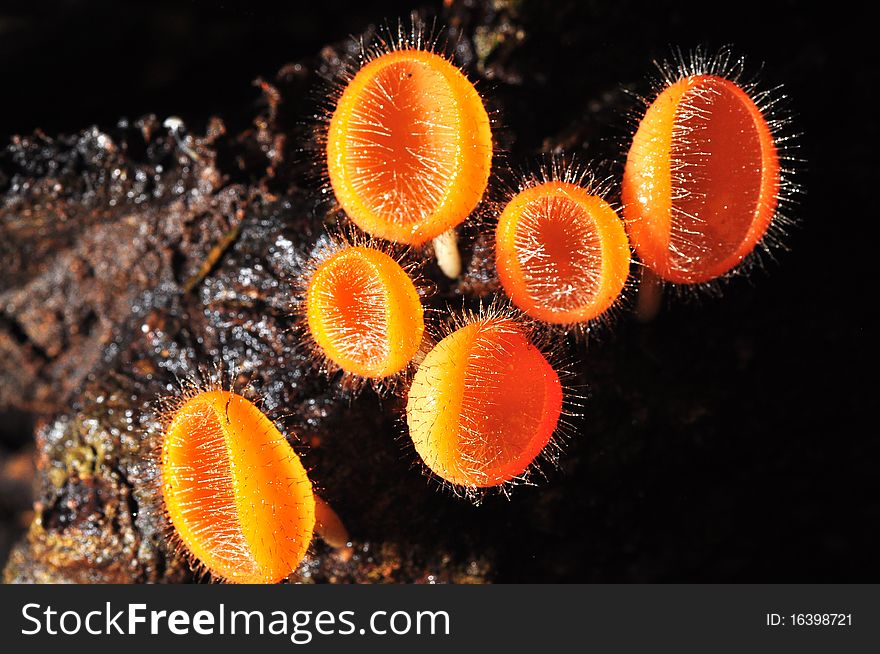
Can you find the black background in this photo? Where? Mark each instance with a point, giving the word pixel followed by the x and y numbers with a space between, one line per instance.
pixel 775 478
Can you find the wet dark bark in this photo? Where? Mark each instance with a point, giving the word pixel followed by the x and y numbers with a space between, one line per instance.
pixel 142 256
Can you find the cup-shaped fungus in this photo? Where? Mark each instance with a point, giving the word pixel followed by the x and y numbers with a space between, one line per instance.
pixel 409 146
pixel 483 404
pixel 364 312
pixel 702 179
pixel 235 491
pixel 561 252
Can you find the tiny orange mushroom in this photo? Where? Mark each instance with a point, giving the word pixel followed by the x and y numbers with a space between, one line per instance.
pixel 702 180
pixel 562 253
pixel 364 312
pixel 483 404
pixel 409 146
pixel 234 489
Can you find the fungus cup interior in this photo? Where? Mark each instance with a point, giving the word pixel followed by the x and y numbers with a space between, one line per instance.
pixel 562 253
pixel 409 147
pixel 701 180
pixel 234 489
pixel 364 312
pixel 483 404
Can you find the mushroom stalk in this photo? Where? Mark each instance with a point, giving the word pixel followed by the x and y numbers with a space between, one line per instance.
pixel 329 526
pixel 448 256
pixel 650 296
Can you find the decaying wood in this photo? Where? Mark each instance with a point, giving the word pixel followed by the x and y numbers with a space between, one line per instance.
pixel 140 257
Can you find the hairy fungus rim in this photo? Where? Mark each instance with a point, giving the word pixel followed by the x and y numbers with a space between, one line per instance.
pixel 474 151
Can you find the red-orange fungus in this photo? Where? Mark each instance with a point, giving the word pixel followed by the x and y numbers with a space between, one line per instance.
pixel 364 312
pixel 701 180
pixel 483 404
pixel 234 490
pixel 561 252
pixel 409 147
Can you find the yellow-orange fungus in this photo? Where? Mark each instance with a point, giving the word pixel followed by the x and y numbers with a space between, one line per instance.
pixel 701 180
pixel 562 254
pixel 483 404
pixel 409 147
pixel 364 312
pixel 235 490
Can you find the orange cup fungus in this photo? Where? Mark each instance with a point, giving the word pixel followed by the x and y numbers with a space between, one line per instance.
pixel 364 312
pixel 702 179
pixel 234 490
pixel 562 253
pixel 483 404
pixel 409 146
